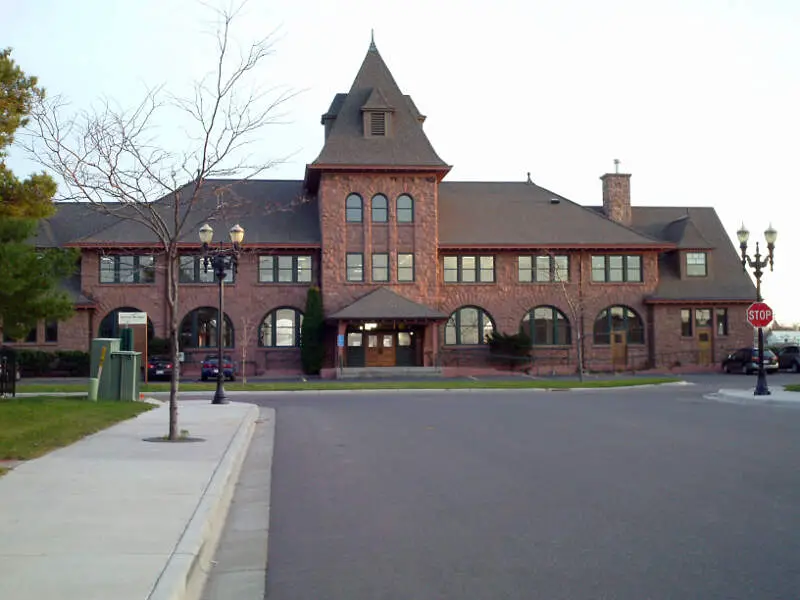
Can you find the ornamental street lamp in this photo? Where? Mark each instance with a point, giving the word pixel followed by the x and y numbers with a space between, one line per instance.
pixel 221 260
pixel 757 264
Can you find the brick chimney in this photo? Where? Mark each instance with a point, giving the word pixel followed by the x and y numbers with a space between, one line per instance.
pixel 617 197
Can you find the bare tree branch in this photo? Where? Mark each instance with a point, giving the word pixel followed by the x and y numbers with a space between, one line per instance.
pixel 111 158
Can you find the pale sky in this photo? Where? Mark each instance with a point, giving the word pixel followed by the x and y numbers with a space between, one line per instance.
pixel 699 99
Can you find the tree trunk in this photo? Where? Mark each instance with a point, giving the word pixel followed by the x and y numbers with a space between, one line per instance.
pixel 172 315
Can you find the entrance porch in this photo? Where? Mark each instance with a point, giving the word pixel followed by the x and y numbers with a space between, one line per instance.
pixel 383 330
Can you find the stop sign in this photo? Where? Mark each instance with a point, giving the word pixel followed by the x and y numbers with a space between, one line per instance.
pixel 759 314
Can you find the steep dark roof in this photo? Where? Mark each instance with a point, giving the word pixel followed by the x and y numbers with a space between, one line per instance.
pixel 518 213
pixel 374 87
pixel 271 211
pixel 71 221
pixel 696 228
pixel 383 303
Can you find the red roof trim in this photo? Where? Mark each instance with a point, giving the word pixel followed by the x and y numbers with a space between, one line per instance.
pixel 185 246
pixel 654 246
pixel 697 301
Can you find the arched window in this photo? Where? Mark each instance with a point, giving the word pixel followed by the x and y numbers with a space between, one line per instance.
pixel 547 326
pixel 109 326
pixel 380 208
pixel 618 318
pixel 199 329
pixel 354 208
pixel 281 328
pixel 468 326
pixel 405 209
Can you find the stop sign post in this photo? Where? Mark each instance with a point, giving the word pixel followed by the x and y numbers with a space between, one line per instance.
pixel 759 314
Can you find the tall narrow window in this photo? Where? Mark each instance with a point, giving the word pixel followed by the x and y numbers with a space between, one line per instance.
pixel 51 331
pixel 405 267
pixel 686 322
pixel 405 209
pixel 380 208
pixel 722 321
pixel 380 267
pixel 354 208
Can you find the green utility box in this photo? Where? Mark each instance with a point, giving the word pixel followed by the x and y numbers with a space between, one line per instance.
pixel 118 379
pixel 127 364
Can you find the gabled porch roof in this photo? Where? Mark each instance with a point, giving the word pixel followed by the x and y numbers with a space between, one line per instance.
pixel 384 303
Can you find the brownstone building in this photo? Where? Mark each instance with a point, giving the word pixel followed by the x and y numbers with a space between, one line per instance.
pixel 416 270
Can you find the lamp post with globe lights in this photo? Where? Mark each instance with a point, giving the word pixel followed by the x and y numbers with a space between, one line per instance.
pixel 221 260
pixel 757 264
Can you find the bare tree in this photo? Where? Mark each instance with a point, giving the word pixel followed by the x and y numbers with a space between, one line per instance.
pixel 247 329
pixel 110 158
pixel 572 288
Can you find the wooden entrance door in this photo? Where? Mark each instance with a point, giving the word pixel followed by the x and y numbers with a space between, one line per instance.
pixel 704 346
pixel 619 349
pixel 380 350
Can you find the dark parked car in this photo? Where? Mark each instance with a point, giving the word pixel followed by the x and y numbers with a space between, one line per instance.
pixel 789 358
pixel 209 370
pixel 745 360
pixel 159 367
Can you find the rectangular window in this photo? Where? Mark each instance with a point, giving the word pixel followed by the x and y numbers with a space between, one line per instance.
pixel 486 269
pixel 51 331
pixel 722 321
pixel 469 269
pixel 524 268
pixel 380 267
pixel 686 322
pixel 543 268
pixel 127 269
pixel 355 266
pixel 405 267
pixel 284 269
pixel 702 317
pixel 617 268
pixel 450 269
pixel 193 270
pixel 696 265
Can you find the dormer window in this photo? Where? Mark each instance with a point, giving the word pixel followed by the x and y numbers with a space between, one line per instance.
pixel 696 264
pixel 377 124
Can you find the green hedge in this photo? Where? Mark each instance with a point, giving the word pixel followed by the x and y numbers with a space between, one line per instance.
pixel 64 363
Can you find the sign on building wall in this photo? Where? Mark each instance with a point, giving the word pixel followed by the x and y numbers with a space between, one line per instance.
pixel 132 318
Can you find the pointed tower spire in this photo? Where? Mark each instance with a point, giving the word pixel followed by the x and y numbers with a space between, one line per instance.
pixel 372 46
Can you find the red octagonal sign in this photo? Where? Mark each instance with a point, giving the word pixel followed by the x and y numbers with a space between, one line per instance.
pixel 759 314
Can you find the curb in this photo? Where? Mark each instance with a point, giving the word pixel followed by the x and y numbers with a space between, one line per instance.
pixel 187 568
pixel 245 394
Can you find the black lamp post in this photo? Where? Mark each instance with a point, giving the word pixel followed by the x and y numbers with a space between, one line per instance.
pixel 221 260
pixel 757 264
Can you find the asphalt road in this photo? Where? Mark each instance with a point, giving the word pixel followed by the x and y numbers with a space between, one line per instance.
pixel 628 494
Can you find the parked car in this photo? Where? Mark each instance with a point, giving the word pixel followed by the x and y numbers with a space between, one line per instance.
pixel 209 369
pixel 789 358
pixel 745 360
pixel 159 367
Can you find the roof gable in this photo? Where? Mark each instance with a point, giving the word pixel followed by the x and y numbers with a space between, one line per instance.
pixel 383 303
pixel 374 88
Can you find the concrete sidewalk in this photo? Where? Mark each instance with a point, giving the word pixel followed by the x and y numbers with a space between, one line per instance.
pixel 113 516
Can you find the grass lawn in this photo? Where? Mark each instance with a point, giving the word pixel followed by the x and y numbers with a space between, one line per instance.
pixel 794 387
pixel 433 384
pixel 30 427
